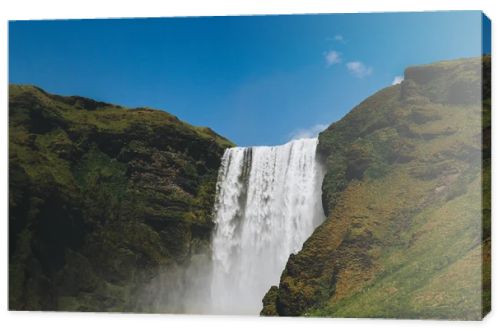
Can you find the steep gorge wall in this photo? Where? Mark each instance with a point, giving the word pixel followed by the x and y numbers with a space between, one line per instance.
pixel 408 227
pixel 101 199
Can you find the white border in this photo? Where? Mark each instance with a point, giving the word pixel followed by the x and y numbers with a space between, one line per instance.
pixel 52 322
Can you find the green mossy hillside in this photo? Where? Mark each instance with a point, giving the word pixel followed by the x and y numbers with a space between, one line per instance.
pixel 101 198
pixel 407 198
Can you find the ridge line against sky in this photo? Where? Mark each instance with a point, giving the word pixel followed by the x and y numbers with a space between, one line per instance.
pixel 257 80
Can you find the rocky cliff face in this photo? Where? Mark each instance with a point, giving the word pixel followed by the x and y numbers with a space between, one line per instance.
pixel 100 198
pixel 407 196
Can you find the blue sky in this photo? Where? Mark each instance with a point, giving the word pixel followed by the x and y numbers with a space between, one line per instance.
pixel 258 80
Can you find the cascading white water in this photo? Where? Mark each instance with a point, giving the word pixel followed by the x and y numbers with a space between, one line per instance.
pixel 268 202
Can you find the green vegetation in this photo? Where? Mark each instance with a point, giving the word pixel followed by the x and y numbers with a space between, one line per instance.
pixel 100 198
pixel 407 195
pixel 103 200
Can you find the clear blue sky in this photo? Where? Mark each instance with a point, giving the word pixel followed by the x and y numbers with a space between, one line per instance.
pixel 258 80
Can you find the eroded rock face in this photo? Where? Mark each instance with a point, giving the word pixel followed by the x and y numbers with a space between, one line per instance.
pixel 100 198
pixel 407 233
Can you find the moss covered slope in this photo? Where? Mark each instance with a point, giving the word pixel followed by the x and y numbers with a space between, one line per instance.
pixel 100 198
pixel 403 194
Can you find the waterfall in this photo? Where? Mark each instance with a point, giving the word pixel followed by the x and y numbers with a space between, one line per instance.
pixel 268 203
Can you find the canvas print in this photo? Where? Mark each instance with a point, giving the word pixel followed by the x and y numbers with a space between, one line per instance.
pixel 333 165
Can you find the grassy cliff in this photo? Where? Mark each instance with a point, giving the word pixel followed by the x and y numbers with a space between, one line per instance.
pixel 101 198
pixel 407 198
